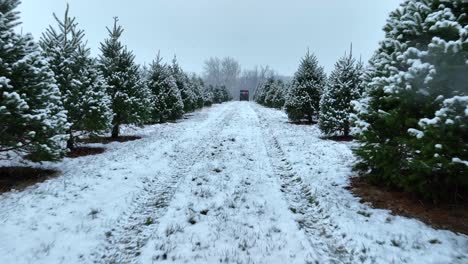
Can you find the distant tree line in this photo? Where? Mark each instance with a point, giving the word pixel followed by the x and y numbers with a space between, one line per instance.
pixel 228 72
pixel 54 88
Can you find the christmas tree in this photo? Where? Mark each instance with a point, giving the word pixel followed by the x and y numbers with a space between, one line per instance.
pixel 343 87
pixel 303 99
pixel 82 85
pixel 189 97
pixel 32 117
pixel 167 102
pixel 411 120
pixel 129 96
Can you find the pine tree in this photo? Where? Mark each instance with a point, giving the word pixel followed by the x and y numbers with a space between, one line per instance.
pixel 189 97
pixel 343 87
pixel 419 69
pixel 198 89
pixel 303 98
pixel 128 94
pixel 220 94
pixel 82 86
pixel 208 95
pixel 31 114
pixel 167 101
pixel 271 93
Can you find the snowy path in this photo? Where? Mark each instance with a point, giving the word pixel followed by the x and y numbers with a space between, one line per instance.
pixel 232 184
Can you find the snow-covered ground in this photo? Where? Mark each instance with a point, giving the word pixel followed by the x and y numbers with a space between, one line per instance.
pixel 234 183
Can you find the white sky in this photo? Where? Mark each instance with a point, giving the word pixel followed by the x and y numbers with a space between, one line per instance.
pixel 257 32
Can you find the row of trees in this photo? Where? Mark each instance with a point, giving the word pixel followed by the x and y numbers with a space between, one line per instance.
pixel 228 72
pixel 312 97
pixel 412 120
pixel 408 108
pixel 52 89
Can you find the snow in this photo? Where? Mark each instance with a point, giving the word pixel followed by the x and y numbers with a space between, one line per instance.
pixel 234 183
pixel 417 133
pixel 458 160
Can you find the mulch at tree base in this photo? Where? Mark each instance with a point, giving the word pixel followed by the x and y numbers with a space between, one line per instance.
pixel 302 123
pixel 339 138
pixel 107 140
pixel 19 178
pixel 442 216
pixel 84 151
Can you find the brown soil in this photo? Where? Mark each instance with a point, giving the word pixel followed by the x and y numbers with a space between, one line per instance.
pixel 84 151
pixel 340 138
pixel 302 123
pixel 19 178
pixel 107 140
pixel 442 216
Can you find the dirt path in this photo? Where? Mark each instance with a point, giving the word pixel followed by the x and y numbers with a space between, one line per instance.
pixel 230 208
pixel 231 184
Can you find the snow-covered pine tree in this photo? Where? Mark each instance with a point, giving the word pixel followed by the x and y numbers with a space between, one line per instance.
pixel 411 120
pixel 221 94
pixel 271 93
pixel 32 117
pixel 260 93
pixel 208 95
pixel 303 98
pixel 342 88
pixel 83 88
pixel 276 95
pixel 167 102
pixel 128 94
pixel 186 89
pixel 198 87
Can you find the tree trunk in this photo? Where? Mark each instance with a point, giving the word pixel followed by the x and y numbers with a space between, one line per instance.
pixel 71 141
pixel 346 129
pixel 115 131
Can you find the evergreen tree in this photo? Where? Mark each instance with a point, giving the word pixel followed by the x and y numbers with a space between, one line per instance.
pixel 198 89
pixel 82 85
pixel 189 97
pixel 303 98
pixel 271 93
pixel 416 75
pixel 220 94
pixel 208 95
pixel 167 101
pixel 31 114
pixel 129 96
pixel 343 87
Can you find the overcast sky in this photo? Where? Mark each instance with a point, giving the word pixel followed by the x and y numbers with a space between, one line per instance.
pixel 260 32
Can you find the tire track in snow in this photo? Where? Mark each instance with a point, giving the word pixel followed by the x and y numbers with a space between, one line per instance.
pixel 135 228
pixel 304 203
pixel 231 210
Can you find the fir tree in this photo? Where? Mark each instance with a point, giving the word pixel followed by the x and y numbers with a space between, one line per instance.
pixel 82 86
pixel 419 66
pixel 208 95
pixel 198 89
pixel 167 101
pixel 129 96
pixel 189 97
pixel 220 94
pixel 343 87
pixel 303 98
pixel 271 93
pixel 31 114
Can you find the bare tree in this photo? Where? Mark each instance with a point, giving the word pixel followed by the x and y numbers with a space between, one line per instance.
pixel 227 72
pixel 223 72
